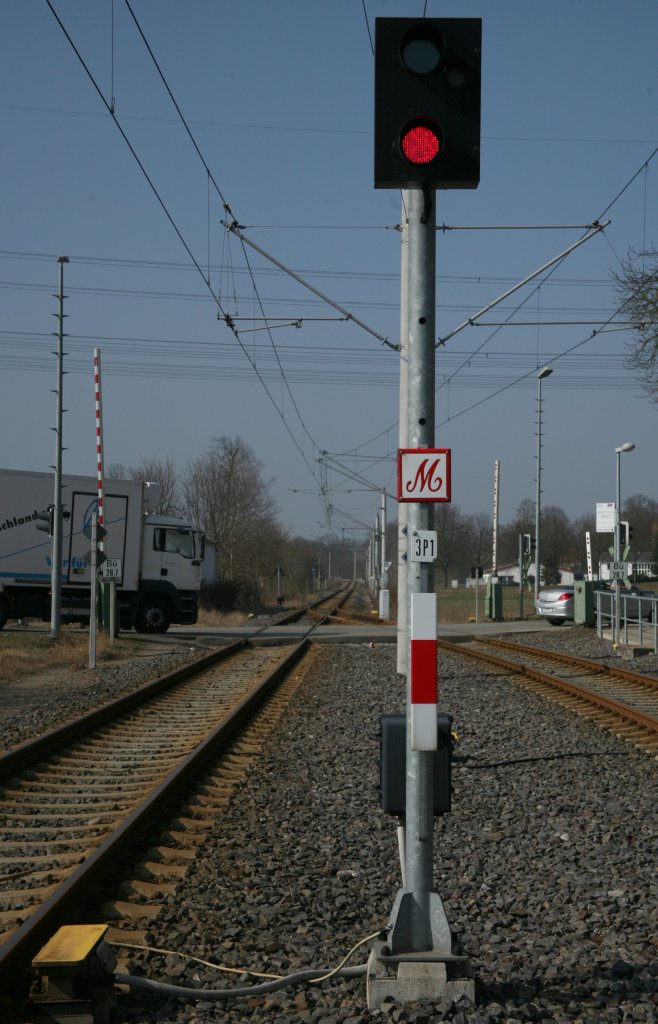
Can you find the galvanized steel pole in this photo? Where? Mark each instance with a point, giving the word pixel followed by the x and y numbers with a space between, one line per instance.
pixel 628 446
pixel 420 575
pixel 543 373
pixel 56 549
pixel 384 593
pixel 402 631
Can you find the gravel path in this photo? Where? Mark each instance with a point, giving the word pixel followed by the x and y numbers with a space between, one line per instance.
pixel 546 866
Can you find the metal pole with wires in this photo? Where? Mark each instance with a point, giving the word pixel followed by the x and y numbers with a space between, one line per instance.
pixel 542 374
pixel 58 511
pixel 627 446
pixel 384 593
pixel 420 575
pixel 403 545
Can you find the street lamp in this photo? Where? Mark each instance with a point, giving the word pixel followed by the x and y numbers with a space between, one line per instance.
pixel 628 446
pixel 546 371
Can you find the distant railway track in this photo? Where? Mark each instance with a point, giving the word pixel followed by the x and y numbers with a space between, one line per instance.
pixel 620 700
pixel 75 800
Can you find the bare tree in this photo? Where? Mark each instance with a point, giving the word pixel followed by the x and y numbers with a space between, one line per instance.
pixel 117 471
pixel 478 529
pixel 161 471
pixel 557 541
pixel 641 513
pixel 450 528
pixel 637 289
pixel 523 522
pixel 224 492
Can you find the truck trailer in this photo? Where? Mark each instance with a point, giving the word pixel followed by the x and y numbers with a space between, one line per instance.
pixel 155 560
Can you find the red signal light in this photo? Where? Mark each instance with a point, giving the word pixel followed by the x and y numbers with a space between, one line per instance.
pixel 420 143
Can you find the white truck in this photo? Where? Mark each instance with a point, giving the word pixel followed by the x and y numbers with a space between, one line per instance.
pixel 155 561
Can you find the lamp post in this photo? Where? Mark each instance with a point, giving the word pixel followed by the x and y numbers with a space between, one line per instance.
pixel 628 446
pixel 546 371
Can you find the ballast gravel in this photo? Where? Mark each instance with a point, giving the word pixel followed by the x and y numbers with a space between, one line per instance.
pixel 546 865
pixel 31 706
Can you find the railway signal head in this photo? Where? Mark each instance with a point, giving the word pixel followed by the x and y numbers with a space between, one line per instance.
pixel 427 102
pixel 45 520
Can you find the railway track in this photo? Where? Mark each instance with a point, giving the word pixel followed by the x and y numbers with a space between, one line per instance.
pixel 138 778
pixel 623 701
pixel 124 797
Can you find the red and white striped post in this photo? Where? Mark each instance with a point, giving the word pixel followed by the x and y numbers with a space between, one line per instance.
pixel 99 439
pixel 422 664
pixel 108 591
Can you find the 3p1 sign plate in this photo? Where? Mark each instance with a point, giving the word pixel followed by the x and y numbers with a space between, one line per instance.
pixel 423 546
pixel 424 474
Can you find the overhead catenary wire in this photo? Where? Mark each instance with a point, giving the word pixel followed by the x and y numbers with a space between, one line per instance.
pixel 234 227
pixel 179 233
pixel 567 351
pixel 212 180
pixel 320 129
pixel 206 279
pixel 494 394
pixel 596 229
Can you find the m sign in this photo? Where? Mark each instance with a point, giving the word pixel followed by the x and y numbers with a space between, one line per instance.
pixel 424 474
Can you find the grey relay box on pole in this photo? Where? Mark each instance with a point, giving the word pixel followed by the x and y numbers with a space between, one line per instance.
pixel 393 764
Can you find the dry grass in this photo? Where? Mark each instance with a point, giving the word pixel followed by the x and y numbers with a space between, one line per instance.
pixel 219 619
pixel 26 654
pixel 456 606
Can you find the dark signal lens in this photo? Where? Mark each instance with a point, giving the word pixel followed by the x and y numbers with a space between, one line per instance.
pixel 420 143
pixel 422 49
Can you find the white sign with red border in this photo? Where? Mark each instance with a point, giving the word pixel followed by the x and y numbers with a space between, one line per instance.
pixel 424 474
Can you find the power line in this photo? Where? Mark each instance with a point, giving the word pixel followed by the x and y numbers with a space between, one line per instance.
pixel 316 130
pixel 176 229
pixel 356 275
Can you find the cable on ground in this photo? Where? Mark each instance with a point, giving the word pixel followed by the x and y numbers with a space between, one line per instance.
pixel 272 984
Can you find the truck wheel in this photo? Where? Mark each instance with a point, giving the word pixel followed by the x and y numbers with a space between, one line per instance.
pixel 153 616
pixel 4 612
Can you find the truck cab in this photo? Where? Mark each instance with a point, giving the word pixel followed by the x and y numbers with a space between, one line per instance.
pixel 172 556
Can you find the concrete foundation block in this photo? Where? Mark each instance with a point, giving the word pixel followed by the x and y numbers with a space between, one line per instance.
pixel 410 981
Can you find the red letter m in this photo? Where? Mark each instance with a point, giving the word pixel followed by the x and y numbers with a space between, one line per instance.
pixel 425 479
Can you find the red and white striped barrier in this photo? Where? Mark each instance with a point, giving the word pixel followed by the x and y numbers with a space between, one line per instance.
pixel 422 672
pixel 99 440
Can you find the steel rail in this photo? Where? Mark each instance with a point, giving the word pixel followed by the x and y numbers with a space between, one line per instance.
pixel 30 749
pixel 624 711
pixel 595 667
pixel 25 942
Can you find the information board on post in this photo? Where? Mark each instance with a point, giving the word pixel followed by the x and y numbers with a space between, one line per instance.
pixel 111 570
pixel 606 515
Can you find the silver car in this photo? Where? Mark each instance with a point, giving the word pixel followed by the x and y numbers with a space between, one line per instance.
pixel 557 603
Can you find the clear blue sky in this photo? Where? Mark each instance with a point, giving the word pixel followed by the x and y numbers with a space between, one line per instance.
pixel 279 98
